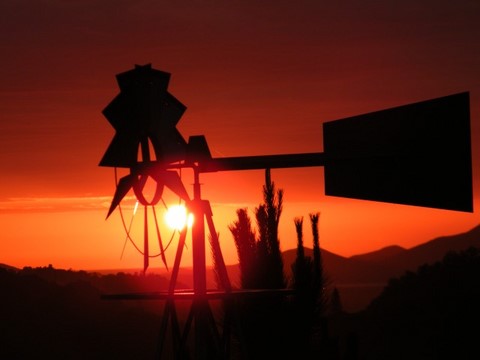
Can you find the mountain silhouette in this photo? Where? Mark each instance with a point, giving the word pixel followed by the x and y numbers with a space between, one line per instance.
pixel 380 255
pixel 428 313
pixel 425 314
pixel 431 251
pixel 56 313
pixel 41 319
pixel 8 267
pixel 361 278
pixel 339 269
pixel 392 261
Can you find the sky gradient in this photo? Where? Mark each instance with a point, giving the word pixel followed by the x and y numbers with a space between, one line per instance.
pixel 256 77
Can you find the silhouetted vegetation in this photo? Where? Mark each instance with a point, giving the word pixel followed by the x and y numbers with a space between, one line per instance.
pixel 336 307
pixel 295 321
pixel 261 266
pixel 432 313
pixel 48 313
pixel 304 301
pixel 428 314
pixel 262 319
pixel 310 302
pixel 119 282
pixel 421 315
pixel 245 242
pixel 260 258
pixel 319 279
pixel 268 217
pixel 302 267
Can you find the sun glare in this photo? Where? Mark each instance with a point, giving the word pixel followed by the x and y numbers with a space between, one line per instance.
pixel 177 217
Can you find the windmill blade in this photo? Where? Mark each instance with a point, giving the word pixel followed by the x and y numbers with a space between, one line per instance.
pixel 197 150
pixel 117 113
pixel 169 145
pixel 172 180
pixel 418 154
pixel 144 91
pixel 172 110
pixel 143 73
pixel 123 187
pixel 144 108
pixel 122 151
pixel 167 141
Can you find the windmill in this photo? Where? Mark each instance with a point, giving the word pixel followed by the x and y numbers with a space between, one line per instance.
pixel 417 154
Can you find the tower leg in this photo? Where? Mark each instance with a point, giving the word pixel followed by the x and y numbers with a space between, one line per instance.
pixel 208 343
pixel 170 312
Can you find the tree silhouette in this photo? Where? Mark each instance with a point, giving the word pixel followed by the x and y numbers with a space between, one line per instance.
pixel 49 313
pixel 430 312
pixel 305 297
pixel 319 279
pixel 263 319
pixel 311 298
pixel 260 259
pixel 268 217
pixel 336 307
pixel 244 238
pixel 302 267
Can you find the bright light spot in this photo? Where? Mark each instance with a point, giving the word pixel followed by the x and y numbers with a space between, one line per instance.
pixel 176 217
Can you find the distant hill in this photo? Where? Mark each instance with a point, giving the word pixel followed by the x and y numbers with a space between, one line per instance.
pixel 8 267
pixel 427 314
pixel 361 278
pixel 339 269
pixel 432 251
pixel 391 261
pixel 380 255
pixel 41 319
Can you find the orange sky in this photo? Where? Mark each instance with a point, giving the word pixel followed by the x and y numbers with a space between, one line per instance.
pixel 257 78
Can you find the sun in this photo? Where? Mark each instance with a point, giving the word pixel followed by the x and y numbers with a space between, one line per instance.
pixel 177 217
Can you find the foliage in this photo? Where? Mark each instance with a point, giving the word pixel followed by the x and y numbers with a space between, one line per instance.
pixel 336 307
pixel 309 278
pixel 302 267
pixel 262 318
pixel 246 245
pixel 269 254
pixel 311 300
pixel 427 313
pixel 260 258
pixel 319 278
pixel 261 266
pixel 120 282
pixel 49 313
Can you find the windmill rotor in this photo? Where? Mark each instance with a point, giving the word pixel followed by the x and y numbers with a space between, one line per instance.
pixel 144 112
pixel 144 115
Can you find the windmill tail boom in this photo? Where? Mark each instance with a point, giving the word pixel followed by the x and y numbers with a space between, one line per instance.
pixel 263 162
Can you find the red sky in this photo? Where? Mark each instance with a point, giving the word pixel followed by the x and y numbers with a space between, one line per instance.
pixel 257 78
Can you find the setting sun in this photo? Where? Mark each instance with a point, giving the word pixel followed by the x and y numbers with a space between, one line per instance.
pixel 176 217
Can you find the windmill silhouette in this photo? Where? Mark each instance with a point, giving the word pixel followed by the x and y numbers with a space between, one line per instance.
pixel 417 154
